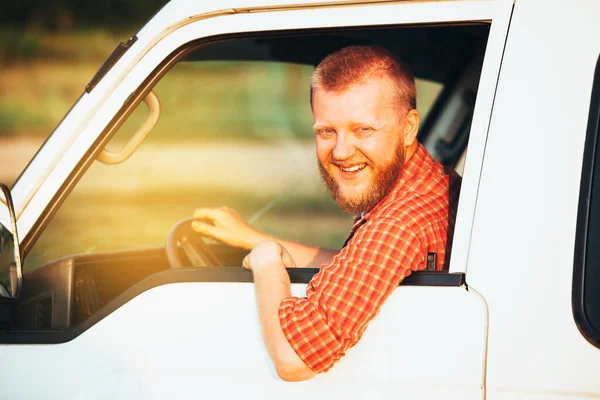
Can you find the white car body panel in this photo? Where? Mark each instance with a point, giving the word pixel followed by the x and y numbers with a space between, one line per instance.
pixel 164 343
pixel 521 255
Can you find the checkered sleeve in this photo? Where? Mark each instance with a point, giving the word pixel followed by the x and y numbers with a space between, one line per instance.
pixel 349 291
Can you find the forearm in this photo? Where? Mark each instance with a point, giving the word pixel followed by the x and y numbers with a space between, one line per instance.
pixel 306 256
pixel 272 285
pixel 228 226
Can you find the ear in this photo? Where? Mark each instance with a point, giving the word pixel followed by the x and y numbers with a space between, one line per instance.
pixel 411 127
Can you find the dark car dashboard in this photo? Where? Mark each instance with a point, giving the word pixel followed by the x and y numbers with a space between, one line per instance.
pixel 66 292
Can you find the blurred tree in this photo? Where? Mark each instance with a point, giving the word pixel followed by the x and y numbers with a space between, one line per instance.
pixel 68 14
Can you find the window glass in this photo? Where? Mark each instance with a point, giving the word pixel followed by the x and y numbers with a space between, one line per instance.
pixel 586 273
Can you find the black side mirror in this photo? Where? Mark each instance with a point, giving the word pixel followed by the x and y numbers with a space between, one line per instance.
pixel 7 241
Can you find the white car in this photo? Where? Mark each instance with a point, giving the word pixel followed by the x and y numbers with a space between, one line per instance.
pixel 113 304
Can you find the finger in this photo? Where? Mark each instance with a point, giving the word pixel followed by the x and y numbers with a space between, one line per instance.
pixel 205 229
pixel 209 213
pixel 246 263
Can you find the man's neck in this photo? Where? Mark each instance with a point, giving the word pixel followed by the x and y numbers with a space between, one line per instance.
pixel 410 151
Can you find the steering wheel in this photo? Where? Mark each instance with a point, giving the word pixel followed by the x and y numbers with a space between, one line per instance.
pixel 192 243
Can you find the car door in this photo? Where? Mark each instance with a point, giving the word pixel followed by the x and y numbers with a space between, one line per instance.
pixel 189 332
pixel 538 330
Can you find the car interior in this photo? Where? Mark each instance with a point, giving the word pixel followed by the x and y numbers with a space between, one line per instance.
pixel 63 297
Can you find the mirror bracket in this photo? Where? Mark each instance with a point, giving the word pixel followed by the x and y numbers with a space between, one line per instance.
pixel 16 270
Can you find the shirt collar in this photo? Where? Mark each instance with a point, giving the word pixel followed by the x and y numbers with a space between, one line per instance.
pixel 358 221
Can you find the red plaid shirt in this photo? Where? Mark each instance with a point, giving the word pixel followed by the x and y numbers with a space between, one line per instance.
pixel 386 245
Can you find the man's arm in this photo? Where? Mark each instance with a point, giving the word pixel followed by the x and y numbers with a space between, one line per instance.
pixel 306 256
pixel 267 262
pixel 228 226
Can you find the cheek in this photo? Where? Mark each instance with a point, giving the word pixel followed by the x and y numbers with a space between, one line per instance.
pixel 381 149
pixel 324 149
pixel 373 149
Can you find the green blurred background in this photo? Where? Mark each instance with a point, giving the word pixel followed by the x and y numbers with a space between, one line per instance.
pixel 48 53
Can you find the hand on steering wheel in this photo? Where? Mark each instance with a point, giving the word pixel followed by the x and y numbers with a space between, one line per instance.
pixel 227 226
pixel 183 236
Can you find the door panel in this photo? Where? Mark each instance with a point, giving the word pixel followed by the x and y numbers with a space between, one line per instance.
pixel 524 234
pixel 194 339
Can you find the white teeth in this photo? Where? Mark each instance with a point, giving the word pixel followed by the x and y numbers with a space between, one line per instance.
pixel 352 169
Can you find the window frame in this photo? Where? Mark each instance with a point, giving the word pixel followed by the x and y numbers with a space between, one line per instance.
pixel 587 236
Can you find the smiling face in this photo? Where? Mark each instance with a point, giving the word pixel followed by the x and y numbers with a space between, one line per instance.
pixel 361 141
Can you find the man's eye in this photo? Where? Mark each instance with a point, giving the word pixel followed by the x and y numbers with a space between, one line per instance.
pixel 325 131
pixel 363 130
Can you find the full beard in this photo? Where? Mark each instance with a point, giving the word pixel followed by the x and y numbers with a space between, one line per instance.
pixel 384 178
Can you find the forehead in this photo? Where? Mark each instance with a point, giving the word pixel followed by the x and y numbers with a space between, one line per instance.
pixel 372 97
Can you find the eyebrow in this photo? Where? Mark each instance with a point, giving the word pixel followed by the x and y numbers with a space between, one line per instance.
pixel 373 123
pixel 319 125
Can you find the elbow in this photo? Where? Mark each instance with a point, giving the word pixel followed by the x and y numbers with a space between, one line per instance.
pixel 293 371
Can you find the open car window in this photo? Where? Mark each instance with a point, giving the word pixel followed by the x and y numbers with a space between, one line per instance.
pixel 230 133
pixel 235 129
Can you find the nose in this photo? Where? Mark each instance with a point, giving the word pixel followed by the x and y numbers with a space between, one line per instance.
pixel 344 147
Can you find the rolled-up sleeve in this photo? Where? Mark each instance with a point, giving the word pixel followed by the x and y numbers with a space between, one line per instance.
pixel 348 292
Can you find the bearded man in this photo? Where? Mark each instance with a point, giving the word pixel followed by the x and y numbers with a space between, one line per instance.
pixel 363 100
